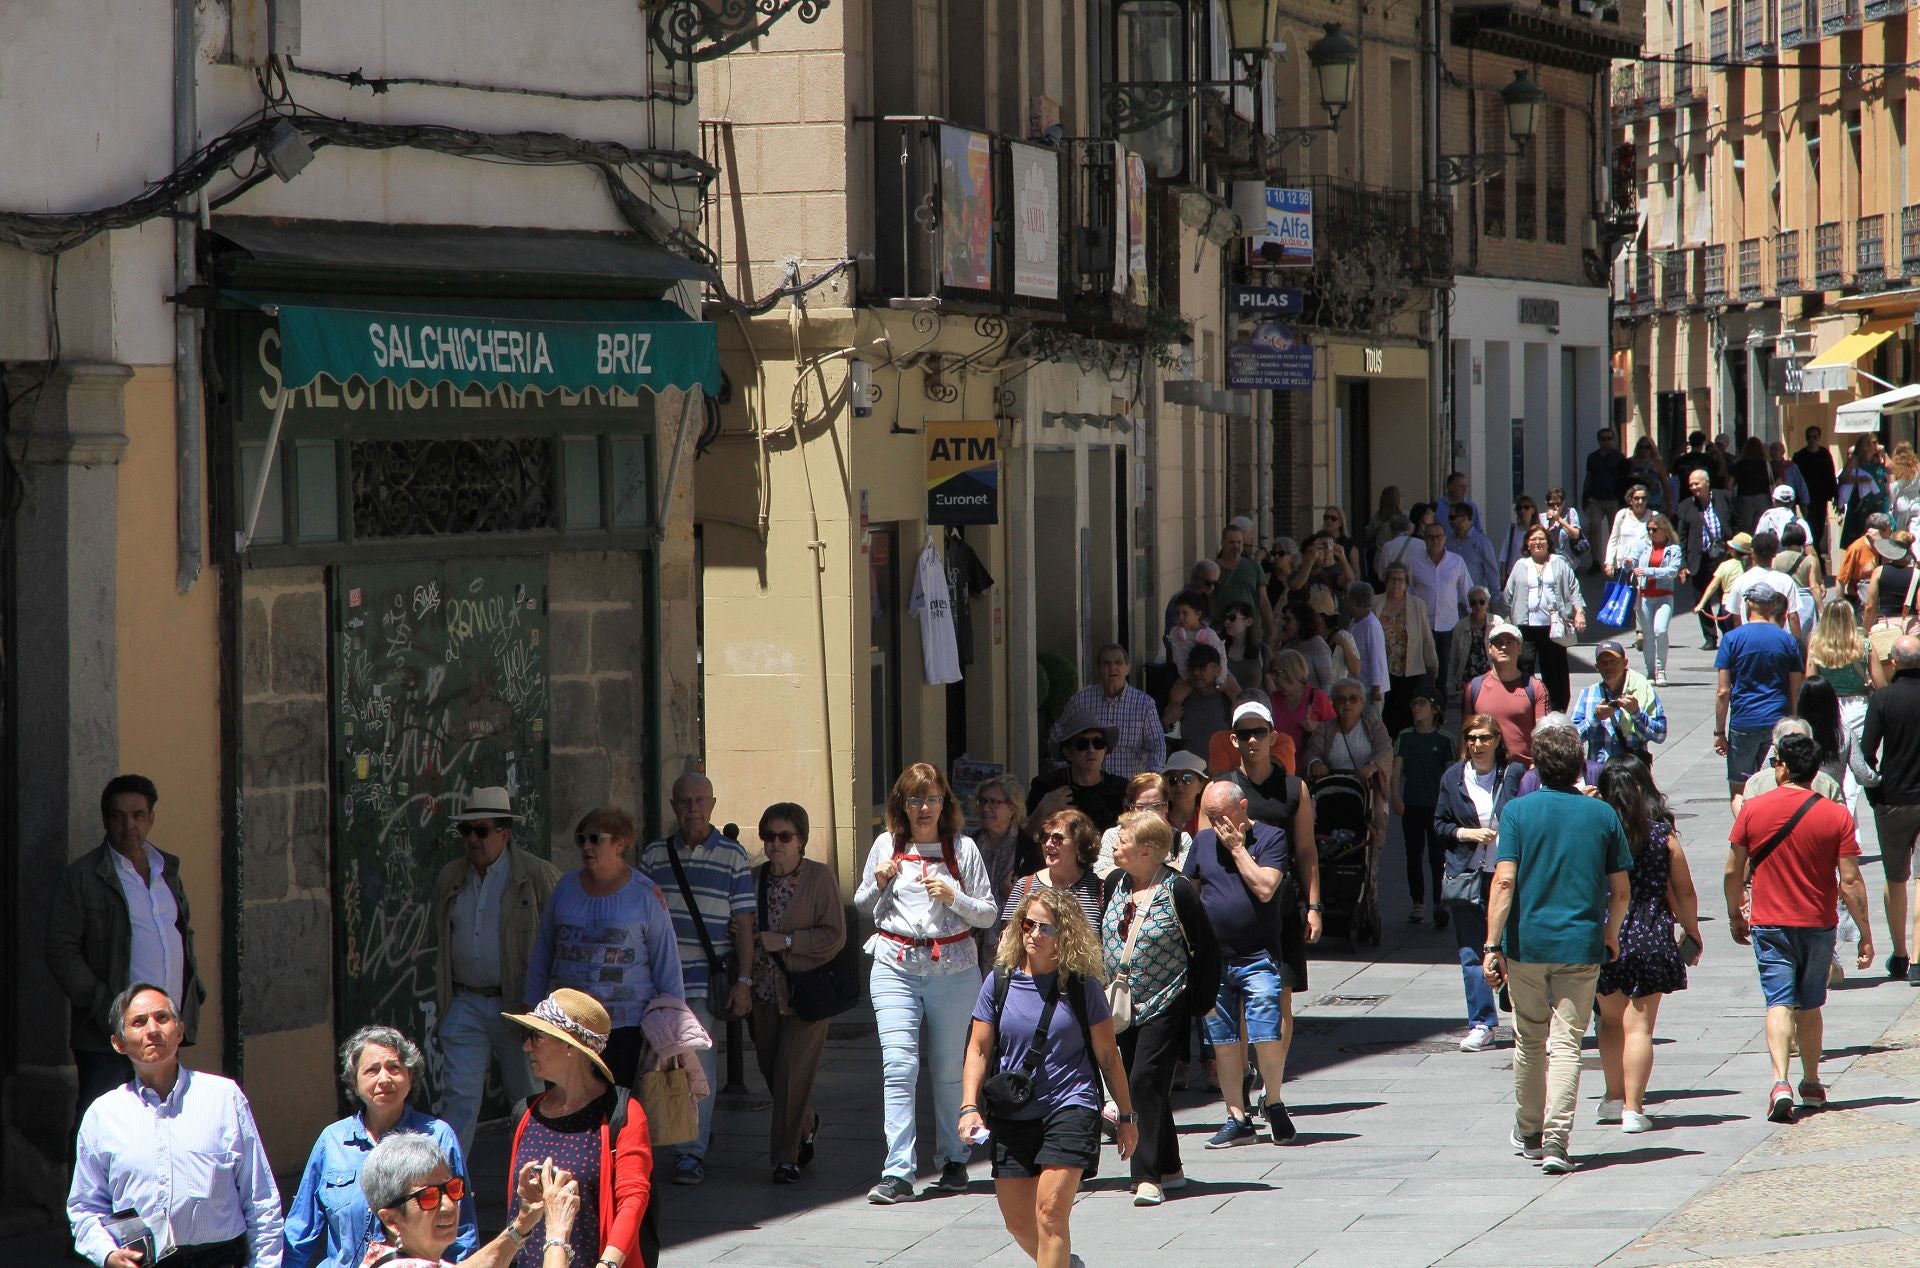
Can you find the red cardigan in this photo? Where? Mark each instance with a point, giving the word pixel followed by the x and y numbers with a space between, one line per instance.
pixel 626 1177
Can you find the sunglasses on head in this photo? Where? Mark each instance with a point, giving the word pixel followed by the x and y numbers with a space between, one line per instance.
pixel 1040 927
pixel 429 1198
pixel 783 838
pixel 1082 744
pixel 475 829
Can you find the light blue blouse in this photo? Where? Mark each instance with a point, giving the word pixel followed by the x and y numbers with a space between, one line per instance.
pixel 329 1224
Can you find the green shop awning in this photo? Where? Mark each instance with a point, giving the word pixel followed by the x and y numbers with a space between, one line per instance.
pixel 549 345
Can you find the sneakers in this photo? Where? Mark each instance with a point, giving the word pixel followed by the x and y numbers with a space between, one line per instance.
pixel 1632 1122
pixel 1813 1096
pixel 806 1141
pixel 1240 1131
pixel 1479 1039
pixel 1913 975
pixel 1528 1146
pixel 1418 916
pixel 1660 679
pixel 1554 1161
pixel 689 1170
pixel 1897 967
pixel 1780 1104
pixel 1148 1194
pixel 786 1173
pixel 1610 1111
pixel 891 1189
pixel 1279 1125
pixel 1171 1180
pixel 953 1178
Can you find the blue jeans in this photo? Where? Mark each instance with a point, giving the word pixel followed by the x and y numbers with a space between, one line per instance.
pixel 1655 616
pixel 1470 932
pixel 902 1003
pixel 716 1024
pixel 1793 965
pixel 473 1033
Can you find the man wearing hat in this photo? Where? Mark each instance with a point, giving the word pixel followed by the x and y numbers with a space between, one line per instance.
pixel 1141 743
pixel 1763 573
pixel 1760 670
pixel 1704 522
pixel 1082 784
pixel 1620 713
pixel 1782 513
pixel 1516 701
pixel 486 911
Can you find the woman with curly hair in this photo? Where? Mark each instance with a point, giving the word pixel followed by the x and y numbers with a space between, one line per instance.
pixel 1043 1011
pixel 926 890
pixel 1069 847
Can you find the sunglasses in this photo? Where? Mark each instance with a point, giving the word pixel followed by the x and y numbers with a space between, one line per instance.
pixel 1051 837
pixel 475 829
pixel 784 838
pixel 1040 927
pixel 1252 735
pixel 1181 777
pixel 1476 603
pixel 1479 737
pixel 925 803
pixel 592 838
pixel 1095 743
pixel 429 1198
pixel 993 803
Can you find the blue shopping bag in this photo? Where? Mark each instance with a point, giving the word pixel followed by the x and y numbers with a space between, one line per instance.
pixel 1617 609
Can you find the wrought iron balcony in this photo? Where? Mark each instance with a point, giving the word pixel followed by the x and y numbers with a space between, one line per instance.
pixel 1674 280
pixel 1839 15
pixel 1713 274
pixel 1876 9
pixel 1910 241
pixel 1750 284
pixel 1717 41
pixel 1376 253
pixel 1869 251
pixel 1786 262
pixel 1829 262
pixel 1643 296
pixel 1797 24
pixel 1756 28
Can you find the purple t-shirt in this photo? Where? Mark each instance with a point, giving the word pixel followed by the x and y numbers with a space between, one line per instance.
pixel 1065 1078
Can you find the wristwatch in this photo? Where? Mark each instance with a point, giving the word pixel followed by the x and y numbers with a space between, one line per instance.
pixel 1492 948
pixel 743 981
pixel 1315 907
pixel 1127 1118
pixel 789 942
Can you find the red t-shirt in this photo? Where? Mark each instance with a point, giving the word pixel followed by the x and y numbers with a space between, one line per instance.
pixel 1289 720
pixel 1795 885
pixel 1510 707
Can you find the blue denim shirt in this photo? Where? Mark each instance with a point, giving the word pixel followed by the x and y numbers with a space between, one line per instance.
pixel 329 1223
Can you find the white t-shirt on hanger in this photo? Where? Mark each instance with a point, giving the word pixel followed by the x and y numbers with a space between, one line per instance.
pixel 933 604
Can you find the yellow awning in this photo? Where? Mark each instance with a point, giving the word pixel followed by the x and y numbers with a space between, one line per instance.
pixel 1858 344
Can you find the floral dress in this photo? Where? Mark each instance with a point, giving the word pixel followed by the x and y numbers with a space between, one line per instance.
pixel 780 890
pixel 1157 973
pixel 1649 962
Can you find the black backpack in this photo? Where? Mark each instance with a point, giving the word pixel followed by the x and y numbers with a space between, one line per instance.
pixel 1076 1000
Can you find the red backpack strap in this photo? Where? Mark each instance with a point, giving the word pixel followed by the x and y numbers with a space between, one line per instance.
pixel 950 856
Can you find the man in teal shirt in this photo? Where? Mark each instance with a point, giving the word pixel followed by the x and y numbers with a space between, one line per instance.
pixel 1559 853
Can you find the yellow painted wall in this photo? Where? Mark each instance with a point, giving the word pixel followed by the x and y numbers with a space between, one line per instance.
pixel 169 678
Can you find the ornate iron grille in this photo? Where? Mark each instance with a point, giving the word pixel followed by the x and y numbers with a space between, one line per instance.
pixel 431 488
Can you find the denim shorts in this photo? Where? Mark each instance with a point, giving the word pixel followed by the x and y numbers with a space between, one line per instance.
pixel 1793 964
pixel 1249 987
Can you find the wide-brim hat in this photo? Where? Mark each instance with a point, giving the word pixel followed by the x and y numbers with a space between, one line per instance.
pixel 1741 543
pixel 1889 549
pixel 1078 720
pixel 576 1019
pixel 488 803
pixel 1186 761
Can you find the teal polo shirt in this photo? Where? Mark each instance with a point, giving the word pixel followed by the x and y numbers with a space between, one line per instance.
pixel 1565 846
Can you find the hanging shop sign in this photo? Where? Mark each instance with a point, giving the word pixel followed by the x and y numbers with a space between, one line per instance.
pixel 1274 360
pixel 1137 227
pixel 1287 239
pixel 1265 301
pixel 1036 221
pixel 963 473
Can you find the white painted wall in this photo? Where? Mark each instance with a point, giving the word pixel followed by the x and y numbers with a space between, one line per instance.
pixel 86 104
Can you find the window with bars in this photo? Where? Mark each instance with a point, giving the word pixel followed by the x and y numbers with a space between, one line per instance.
pixel 1556 200
pixel 1493 191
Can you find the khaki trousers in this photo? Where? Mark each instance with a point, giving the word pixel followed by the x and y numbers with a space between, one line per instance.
pixel 787 1049
pixel 1552 1004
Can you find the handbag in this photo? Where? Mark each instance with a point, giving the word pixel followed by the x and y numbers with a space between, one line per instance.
pixel 1617 608
pixel 821 992
pixel 1759 856
pixel 1008 1092
pixel 1120 989
pixel 1461 888
pixel 1559 627
pixel 667 1097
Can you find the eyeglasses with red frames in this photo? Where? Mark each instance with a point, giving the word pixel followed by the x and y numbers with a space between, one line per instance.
pixel 430 1197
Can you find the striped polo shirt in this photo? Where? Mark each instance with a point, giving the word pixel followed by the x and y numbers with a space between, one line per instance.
pixel 722 883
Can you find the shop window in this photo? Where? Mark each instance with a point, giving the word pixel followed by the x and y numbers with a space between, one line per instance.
pixel 316 470
pixel 580 460
pixel 270 526
pixel 426 488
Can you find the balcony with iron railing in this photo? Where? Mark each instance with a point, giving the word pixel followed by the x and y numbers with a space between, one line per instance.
pixel 1756 29
pixel 1626 95
pixel 1869 251
pixel 1829 255
pixel 1718 43
pixel 1797 24
pixel 1643 296
pixel 1675 279
pixel 1750 284
pixel 1786 262
pixel 1375 252
pixel 1713 274
pixel 1910 241
pixel 1683 74
pixel 1877 9
pixel 1839 15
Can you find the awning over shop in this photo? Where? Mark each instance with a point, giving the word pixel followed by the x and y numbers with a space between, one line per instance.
pixel 548 345
pixel 1864 415
pixel 1827 372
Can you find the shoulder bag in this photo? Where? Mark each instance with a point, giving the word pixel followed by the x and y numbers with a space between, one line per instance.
pixel 1120 989
pixel 719 967
pixel 822 992
pixel 1772 843
pixel 1559 625
pixel 1007 1092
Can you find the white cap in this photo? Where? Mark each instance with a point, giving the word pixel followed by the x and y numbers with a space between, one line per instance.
pixel 1253 709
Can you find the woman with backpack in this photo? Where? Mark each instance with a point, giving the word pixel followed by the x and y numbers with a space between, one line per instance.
pixel 926 890
pixel 1041 1041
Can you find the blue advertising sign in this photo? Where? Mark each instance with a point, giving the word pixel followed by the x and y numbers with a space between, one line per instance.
pixel 1273 361
pixel 1265 301
pixel 1287 237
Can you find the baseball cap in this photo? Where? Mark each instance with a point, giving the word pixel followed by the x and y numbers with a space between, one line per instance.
pixel 1761 592
pixel 1783 494
pixel 1605 646
pixel 1252 709
pixel 1504 629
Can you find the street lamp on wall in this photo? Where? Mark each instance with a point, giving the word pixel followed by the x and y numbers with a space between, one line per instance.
pixel 1521 99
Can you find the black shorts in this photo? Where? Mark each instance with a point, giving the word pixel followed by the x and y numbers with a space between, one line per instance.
pixel 1065 1138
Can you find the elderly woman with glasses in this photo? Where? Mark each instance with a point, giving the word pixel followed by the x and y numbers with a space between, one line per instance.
pixel 607 932
pixel 1467 652
pixel 1145 792
pixel 799 926
pixel 1004 848
pixel 1543 599
pixel 329 1224
pixel 925 888
pixel 1473 792
pixel 416 1192
pixel 1413 663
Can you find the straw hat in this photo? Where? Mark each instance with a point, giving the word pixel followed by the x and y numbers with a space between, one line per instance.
pixel 576 1019
pixel 488 803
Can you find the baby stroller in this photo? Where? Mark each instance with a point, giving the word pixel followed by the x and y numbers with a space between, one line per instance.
pixel 1342 829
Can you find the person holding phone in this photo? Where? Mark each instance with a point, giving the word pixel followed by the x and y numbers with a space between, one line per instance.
pixel 1651 964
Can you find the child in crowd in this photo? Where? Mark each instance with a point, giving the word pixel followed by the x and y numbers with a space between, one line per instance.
pixel 1420 754
pixel 1190 630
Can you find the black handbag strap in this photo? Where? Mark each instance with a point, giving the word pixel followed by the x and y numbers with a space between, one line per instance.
pixel 1772 843
pixel 1031 1063
pixel 716 967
